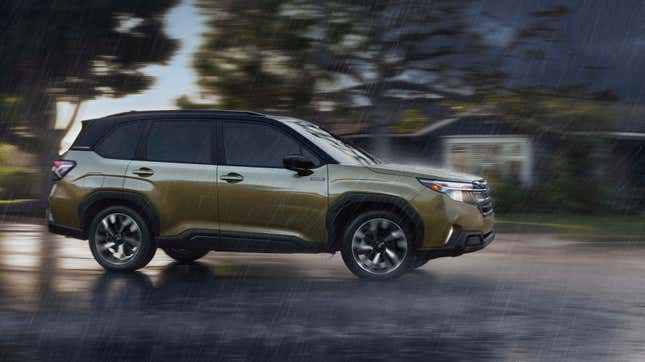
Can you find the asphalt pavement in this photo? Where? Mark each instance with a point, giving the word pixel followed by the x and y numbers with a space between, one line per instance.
pixel 524 298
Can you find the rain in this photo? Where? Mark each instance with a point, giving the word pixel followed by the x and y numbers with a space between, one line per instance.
pixel 544 99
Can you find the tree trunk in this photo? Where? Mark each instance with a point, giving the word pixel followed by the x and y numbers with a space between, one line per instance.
pixel 379 131
pixel 50 139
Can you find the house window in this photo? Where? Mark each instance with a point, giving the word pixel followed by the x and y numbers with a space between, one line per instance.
pixel 507 157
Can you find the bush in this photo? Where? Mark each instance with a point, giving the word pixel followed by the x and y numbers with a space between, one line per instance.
pixel 509 196
pixel 412 120
pixel 565 182
pixel 18 183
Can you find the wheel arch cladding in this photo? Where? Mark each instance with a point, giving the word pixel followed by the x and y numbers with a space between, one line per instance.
pixel 99 200
pixel 341 210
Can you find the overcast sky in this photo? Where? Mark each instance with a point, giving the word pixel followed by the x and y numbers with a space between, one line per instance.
pixel 602 43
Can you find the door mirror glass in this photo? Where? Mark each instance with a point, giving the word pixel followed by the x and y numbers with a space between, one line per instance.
pixel 299 163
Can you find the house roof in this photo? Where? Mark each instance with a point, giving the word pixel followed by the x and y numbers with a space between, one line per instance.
pixel 487 124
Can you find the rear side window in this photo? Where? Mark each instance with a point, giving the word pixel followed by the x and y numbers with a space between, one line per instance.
pixel 121 143
pixel 260 145
pixel 180 141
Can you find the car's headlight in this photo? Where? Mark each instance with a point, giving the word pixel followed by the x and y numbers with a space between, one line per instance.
pixel 454 190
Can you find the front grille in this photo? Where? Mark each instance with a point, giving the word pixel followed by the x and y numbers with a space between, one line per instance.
pixel 486 207
pixel 480 197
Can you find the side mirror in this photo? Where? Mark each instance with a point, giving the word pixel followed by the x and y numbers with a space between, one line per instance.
pixel 298 163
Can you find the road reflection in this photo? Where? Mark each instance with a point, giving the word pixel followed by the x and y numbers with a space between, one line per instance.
pixel 518 300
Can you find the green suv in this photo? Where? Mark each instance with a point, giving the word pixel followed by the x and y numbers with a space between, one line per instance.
pixel 189 182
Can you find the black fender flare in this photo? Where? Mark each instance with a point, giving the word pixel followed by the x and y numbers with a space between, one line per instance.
pixel 141 204
pixel 354 199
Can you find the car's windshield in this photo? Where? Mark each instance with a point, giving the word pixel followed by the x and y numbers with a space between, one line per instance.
pixel 334 146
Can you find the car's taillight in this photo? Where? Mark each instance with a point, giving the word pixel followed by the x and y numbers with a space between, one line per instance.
pixel 61 168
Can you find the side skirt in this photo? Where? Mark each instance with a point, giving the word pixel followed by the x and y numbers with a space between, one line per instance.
pixel 240 242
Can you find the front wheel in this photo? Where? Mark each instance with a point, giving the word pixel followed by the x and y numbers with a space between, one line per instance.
pixel 378 245
pixel 185 255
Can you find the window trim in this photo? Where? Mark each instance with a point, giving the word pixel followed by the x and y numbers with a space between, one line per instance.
pixel 286 130
pixel 142 129
pixel 142 151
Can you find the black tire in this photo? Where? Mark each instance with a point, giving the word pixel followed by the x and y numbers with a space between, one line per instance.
pixel 185 255
pixel 141 257
pixel 419 262
pixel 362 219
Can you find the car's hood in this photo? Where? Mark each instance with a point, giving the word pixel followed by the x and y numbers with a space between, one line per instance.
pixel 423 171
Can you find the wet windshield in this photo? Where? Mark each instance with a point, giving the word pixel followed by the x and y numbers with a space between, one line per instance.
pixel 334 146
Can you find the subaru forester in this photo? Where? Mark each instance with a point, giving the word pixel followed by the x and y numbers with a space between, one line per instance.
pixel 190 182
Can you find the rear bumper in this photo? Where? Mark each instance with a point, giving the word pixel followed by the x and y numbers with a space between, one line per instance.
pixel 66 231
pixel 461 242
pixel 63 230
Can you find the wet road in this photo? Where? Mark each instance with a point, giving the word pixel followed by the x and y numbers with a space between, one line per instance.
pixel 523 298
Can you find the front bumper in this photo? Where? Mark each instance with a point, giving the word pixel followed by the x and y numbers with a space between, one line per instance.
pixel 461 242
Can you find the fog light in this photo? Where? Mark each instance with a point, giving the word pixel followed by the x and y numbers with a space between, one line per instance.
pixel 50 217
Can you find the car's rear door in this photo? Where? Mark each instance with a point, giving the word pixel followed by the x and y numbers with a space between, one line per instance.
pixel 258 197
pixel 176 172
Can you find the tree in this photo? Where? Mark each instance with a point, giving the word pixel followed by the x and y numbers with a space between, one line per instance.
pixel 256 55
pixel 72 51
pixel 307 58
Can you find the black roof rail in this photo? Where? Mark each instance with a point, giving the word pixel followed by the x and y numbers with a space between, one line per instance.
pixel 187 111
pixel 177 112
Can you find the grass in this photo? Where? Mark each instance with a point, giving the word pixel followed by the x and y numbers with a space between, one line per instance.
pixel 578 227
pixel 15 201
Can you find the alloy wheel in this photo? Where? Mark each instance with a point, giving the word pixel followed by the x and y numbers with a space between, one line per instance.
pixel 118 238
pixel 379 246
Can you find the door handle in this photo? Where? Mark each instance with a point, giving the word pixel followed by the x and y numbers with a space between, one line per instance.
pixel 232 178
pixel 143 172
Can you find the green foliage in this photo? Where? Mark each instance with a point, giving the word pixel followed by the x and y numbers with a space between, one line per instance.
pixel 566 185
pixel 509 196
pixel 412 120
pixel 571 185
pixel 256 54
pixel 303 57
pixel 73 51
pixel 82 49
pixel 5 158
pixel 555 113
pixel 18 183
pixel 574 226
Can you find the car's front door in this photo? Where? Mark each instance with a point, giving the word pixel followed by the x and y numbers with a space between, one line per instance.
pixel 258 197
pixel 176 174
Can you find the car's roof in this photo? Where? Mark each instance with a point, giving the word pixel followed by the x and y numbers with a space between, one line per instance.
pixel 174 113
pixel 94 129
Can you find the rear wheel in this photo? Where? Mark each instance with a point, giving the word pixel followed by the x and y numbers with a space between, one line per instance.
pixel 378 245
pixel 185 255
pixel 120 239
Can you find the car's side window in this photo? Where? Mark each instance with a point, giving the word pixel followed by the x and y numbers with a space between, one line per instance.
pixel 254 144
pixel 122 142
pixel 179 141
